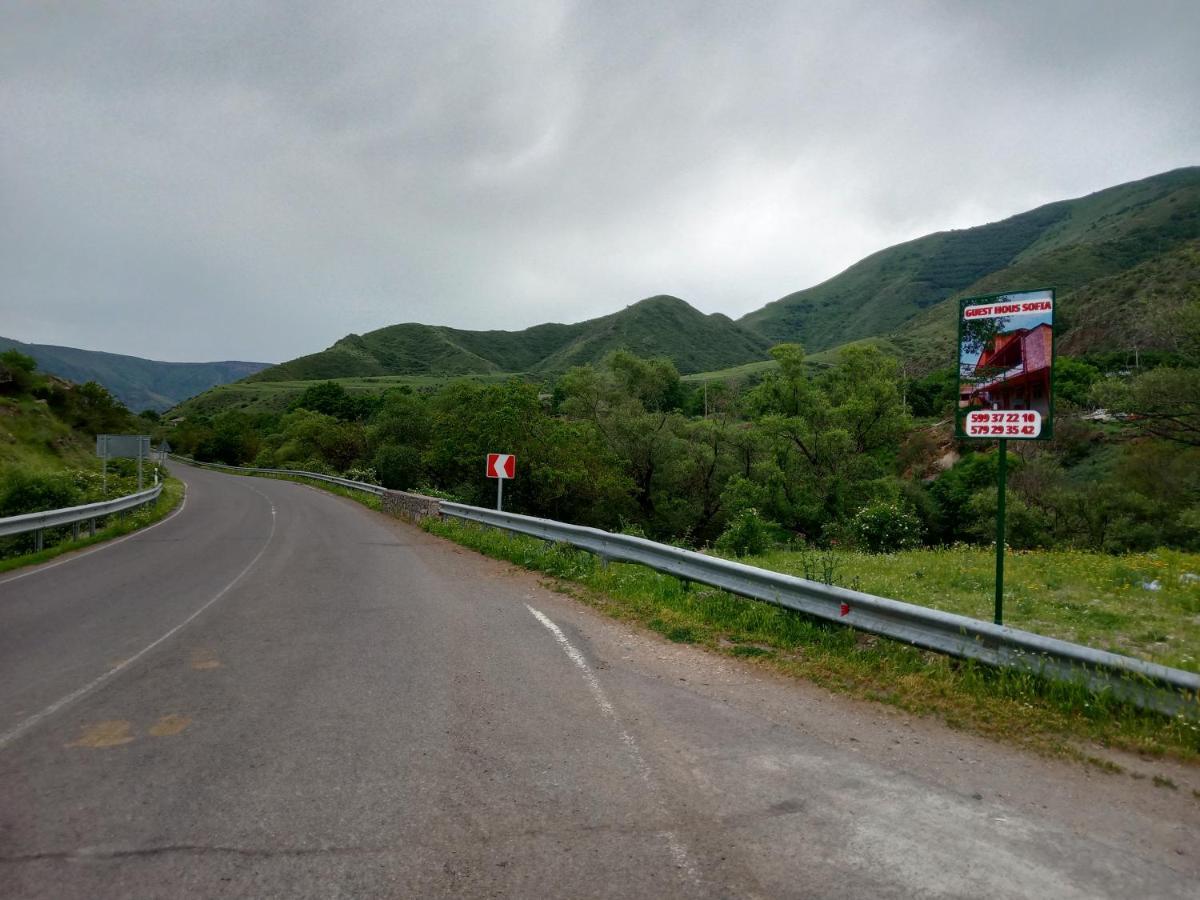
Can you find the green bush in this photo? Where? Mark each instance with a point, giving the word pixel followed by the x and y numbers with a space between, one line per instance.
pixel 365 474
pixel 882 527
pixel 399 466
pixel 747 534
pixel 1188 527
pixel 26 492
pixel 1073 380
pixel 1026 527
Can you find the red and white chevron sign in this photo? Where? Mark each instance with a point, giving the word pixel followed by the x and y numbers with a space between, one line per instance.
pixel 501 465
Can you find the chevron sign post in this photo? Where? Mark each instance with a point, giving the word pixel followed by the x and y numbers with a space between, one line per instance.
pixel 501 466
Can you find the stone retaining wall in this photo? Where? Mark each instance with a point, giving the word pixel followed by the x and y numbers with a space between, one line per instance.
pixel 413 507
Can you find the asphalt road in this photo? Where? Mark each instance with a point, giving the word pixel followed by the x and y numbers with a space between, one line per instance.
pixel 278 693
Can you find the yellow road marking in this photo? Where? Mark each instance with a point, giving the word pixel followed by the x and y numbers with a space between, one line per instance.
pixel 104 734
pixel 205 659
pixel 169 726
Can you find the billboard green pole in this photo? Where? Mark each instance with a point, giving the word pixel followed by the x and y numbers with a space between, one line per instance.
pixel 1005 384
pixel 1001 479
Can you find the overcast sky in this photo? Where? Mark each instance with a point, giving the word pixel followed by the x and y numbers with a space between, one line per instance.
pixel 253 180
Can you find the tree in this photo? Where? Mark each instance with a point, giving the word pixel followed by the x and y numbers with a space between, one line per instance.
pixel 564 470
pixel 332 399
pixel 1164 402
pixel 16 372
pixel 833 437
pixel 631 403
pixel 1073 380
pixel 93 409
pixel 234 439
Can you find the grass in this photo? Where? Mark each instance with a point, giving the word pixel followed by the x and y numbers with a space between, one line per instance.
pixel 1050 717
pixel 823 359
pixel 274 396
pixel 1088 598
pixel 734 373
pixel 33 439
pixel 117 525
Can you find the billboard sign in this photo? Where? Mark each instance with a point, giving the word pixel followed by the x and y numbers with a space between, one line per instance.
pixel 130 446
pixel 1006 366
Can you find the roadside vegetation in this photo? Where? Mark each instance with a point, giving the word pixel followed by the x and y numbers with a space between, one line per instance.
pixel 842 468
pixel 47 457
pixel 17 551
pixel 854 452
pixel 846 471
pixel 1047 716
pixel 1140 604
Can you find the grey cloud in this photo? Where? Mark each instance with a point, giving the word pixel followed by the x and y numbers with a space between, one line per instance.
pixel 255 180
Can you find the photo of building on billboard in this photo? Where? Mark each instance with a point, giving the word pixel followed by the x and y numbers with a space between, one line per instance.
pixel 1006 366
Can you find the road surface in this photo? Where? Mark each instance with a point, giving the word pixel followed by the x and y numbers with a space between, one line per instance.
pixel 279 693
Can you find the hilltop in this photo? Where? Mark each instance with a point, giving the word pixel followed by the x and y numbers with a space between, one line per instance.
pixel 1080 246
pixel 656 326
pixel 138 383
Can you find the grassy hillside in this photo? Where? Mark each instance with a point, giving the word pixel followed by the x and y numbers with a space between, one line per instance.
pixel 657 326
pixel 47 460
pixel 1070 244
pixel 34 439
pixel 48 424
pixel 662 326
pixel 274 396
pixel 1117 312
pixel 138 383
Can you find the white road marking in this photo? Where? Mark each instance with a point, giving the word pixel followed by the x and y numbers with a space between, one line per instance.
pixel 103 546
pixel 678 851
pixel 12 734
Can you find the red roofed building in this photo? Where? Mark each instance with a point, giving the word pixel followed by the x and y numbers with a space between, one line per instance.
pixel 1016 368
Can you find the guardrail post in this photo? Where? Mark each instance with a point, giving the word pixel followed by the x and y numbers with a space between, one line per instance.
pixel 74 531
pixel 92 526
pixel 37 541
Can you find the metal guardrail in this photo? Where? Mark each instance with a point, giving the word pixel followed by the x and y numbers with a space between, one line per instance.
pixel 1146 684
pixel 74 515
pixel 331 479
pixel 1167 690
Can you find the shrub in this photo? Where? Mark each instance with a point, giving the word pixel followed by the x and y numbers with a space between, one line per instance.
pixel 399 466
pixel 1025 526
pixel 747 534
pixel 365 474
pixel 26 492
pixel 882 527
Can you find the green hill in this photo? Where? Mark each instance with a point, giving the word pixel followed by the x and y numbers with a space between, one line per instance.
pixel 656 326
pixel 1070 244
pixel 1112 255
pixel 1110 313
pixel 138 383
pixel 48 424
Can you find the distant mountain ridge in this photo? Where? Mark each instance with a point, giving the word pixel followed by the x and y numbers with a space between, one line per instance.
pixel 1070 245
pixel 656 326
pixel 1086 247
pixel 138 383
